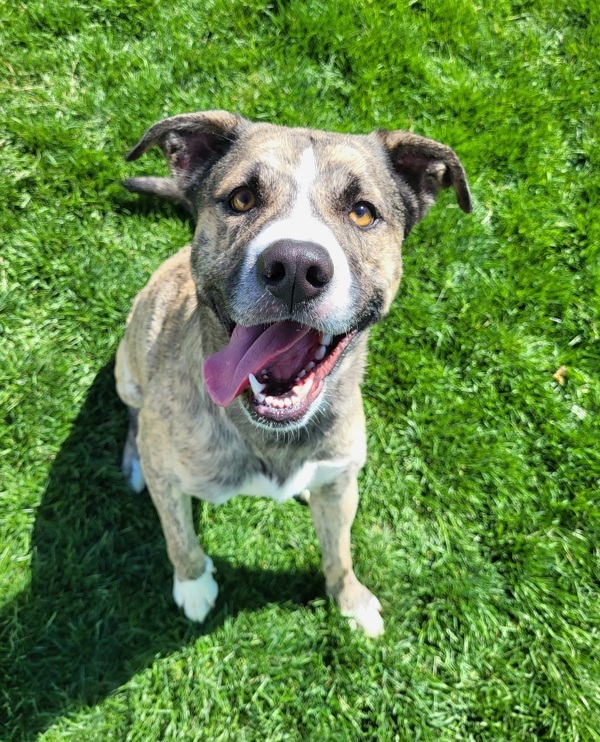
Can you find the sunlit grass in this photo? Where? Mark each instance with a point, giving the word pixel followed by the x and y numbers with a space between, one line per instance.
pixel 479 520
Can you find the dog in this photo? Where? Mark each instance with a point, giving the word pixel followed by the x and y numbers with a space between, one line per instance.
pixel 243 356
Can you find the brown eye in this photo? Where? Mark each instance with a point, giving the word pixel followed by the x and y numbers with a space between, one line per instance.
pixel 362 214
pixel 242 200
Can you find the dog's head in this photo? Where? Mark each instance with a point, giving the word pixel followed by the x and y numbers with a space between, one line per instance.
pixel 297 244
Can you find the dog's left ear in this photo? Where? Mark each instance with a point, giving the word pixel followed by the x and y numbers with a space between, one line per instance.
pixel 191 143
pixel 425 166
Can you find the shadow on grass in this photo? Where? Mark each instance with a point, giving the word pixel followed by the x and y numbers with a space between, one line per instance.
pixel 99 606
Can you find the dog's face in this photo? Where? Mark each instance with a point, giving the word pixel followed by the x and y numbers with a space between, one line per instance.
pixel 297 247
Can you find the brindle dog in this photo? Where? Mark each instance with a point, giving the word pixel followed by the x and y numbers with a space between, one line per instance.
pixel 243 356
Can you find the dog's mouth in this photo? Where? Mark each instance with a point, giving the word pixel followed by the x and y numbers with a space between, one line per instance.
pixel 281 368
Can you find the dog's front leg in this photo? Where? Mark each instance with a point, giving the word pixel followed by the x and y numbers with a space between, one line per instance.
pixel 194 587
pixel 333 508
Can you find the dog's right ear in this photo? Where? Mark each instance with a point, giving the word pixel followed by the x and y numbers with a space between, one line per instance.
pixel 191 142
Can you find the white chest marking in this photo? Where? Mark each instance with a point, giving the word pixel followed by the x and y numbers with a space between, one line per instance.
pixel 311 474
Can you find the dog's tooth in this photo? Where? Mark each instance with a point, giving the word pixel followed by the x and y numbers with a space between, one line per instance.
pixel 260 397
pixel 287 401
pixel 257 387
pixel 302 390
pixel 320 354
pixel 301 375
pixel 270 400
pixel 310 366
pixel 326 339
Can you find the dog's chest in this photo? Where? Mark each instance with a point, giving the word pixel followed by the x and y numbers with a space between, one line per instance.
pixel 311 474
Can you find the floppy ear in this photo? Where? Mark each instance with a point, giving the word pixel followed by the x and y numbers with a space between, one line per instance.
pixel 191 142
pixel 425 166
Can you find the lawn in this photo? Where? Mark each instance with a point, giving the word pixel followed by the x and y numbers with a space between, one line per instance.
pixel 479 521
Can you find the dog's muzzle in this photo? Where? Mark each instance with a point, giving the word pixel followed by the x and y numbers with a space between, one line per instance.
pixel 280 368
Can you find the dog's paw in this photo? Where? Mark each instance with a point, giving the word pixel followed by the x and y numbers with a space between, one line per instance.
pixel 367 617
pixel 132 470
pixel 303 497
pixel 136 480
pixel 197 597
pixel 358 603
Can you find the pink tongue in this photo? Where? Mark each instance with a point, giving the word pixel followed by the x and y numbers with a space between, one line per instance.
pixel 248 352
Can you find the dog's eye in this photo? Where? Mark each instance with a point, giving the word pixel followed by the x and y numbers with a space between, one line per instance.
pixel 362 214
pixel 242 200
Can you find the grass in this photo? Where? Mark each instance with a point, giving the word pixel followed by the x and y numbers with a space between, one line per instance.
pixel 480 514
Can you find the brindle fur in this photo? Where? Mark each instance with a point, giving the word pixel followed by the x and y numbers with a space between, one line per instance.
pixel 189 447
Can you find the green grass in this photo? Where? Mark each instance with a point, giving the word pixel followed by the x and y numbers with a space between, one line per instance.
pixel 480 514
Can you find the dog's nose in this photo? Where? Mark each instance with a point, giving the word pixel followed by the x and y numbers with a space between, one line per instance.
pixel 295 271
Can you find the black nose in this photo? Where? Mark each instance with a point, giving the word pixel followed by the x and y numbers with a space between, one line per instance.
pixel 295 271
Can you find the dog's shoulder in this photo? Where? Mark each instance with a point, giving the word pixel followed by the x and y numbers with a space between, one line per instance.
pixel 170 284
pixel 169 292
pixel 161 310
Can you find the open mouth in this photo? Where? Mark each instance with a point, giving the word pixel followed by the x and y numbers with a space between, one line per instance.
pixel 280 368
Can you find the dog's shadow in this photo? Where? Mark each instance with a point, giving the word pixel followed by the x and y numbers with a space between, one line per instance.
pixel 99 607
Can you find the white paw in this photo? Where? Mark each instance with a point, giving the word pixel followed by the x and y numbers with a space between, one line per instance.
pixel 198 596
pixel 304 497
pixel 367 617
pixel 136 479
